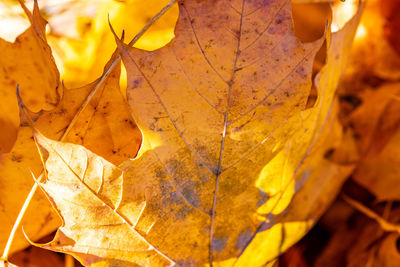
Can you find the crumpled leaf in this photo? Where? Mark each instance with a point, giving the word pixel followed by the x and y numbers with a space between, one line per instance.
pixel 360 241
pixel 376 124
pixel 370 111
pixel 104 119
pixel 371 101
pixel 223 113
pixel 22 62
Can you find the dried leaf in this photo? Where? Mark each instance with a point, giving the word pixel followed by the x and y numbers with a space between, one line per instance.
pixel 223 113
pixel 22 62
pixel 104 119
pixel 370 95
pixel 376 124
pixel 384 224
pixel 374 246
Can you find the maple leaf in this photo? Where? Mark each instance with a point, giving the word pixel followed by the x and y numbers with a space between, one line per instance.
pixel 100 113
pixel 22 62
pixel 95 113
pixel 223 112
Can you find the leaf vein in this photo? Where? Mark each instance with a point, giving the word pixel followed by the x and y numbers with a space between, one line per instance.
pixel 121 216
pixel 268 26
pixel 272 90
pixel 223 139
pixel 194 86
pixel 169 115
pixel 201 49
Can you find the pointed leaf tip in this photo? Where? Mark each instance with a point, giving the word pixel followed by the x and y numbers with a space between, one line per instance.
pixel 118 41
pixel 112 29
pixel 26 10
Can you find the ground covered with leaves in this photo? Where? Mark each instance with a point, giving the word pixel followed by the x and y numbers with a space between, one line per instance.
pixel 194 133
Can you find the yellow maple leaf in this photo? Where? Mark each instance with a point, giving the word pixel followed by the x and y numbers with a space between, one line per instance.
pixel 223 110
pixel 92 115
pixel 23 61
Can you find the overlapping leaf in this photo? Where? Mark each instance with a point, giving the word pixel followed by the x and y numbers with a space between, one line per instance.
pixel 98 110
pixel 374 113
pixel 223 111
pixel 21 63
pixel 84 55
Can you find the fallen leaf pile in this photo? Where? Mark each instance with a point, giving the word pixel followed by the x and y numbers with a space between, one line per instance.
pixel 369 98
pixel 227 145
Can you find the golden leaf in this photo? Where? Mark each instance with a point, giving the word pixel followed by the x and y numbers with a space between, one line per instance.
pixel 223 112
pixel 92 115
pixel 23 61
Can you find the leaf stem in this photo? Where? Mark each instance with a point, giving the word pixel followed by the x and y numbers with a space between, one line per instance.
pixel 103 77
pixel 18 220
pixel 384 224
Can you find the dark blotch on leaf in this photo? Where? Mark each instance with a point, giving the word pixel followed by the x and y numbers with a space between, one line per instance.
pixel 220 243
pixel 329 153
